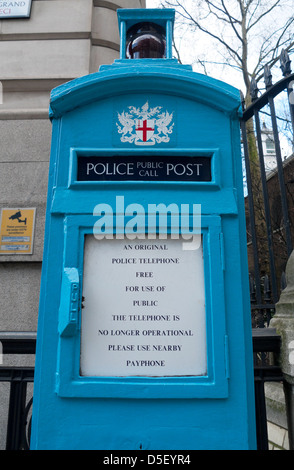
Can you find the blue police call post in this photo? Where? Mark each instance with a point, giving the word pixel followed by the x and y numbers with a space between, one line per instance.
pixel 144 333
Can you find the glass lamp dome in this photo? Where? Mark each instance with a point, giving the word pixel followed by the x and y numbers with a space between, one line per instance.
pixel 146 41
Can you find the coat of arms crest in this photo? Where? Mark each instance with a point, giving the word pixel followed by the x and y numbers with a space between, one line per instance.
pixel 145 126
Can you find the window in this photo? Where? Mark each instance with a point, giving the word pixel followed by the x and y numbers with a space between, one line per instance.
pixel 270 146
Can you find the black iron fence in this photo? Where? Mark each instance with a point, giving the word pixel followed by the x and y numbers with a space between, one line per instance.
pixel 265 342
pixel 269 205
pixel 269 200
pixel 266 348
pixel 20 404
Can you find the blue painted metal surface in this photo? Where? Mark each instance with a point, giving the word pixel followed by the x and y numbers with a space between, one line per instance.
pixel 215 411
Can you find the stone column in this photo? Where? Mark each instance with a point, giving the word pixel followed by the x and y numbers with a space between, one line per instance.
pixel 283 322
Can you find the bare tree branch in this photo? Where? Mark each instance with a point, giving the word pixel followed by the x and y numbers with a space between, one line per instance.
pixel 232 22
pixel 177 51
pixel 262 15
pixel 240 27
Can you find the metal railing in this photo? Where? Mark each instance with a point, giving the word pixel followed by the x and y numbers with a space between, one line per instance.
pixel 268 250
pixel 266 349
pixel 265 342
pixel 19 408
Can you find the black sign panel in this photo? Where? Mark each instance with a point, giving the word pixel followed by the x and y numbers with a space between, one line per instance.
pixel 137 168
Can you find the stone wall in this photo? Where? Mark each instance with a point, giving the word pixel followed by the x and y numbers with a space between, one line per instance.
pixel 276 417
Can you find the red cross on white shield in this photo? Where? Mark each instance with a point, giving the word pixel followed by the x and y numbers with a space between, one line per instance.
pixel 145 129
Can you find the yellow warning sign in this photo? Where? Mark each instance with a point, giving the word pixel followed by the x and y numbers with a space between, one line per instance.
pixel 17 231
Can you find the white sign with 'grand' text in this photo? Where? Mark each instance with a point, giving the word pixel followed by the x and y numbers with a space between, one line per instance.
pixel 15 9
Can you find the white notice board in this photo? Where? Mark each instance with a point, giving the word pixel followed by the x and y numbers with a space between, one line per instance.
pixel 143 309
